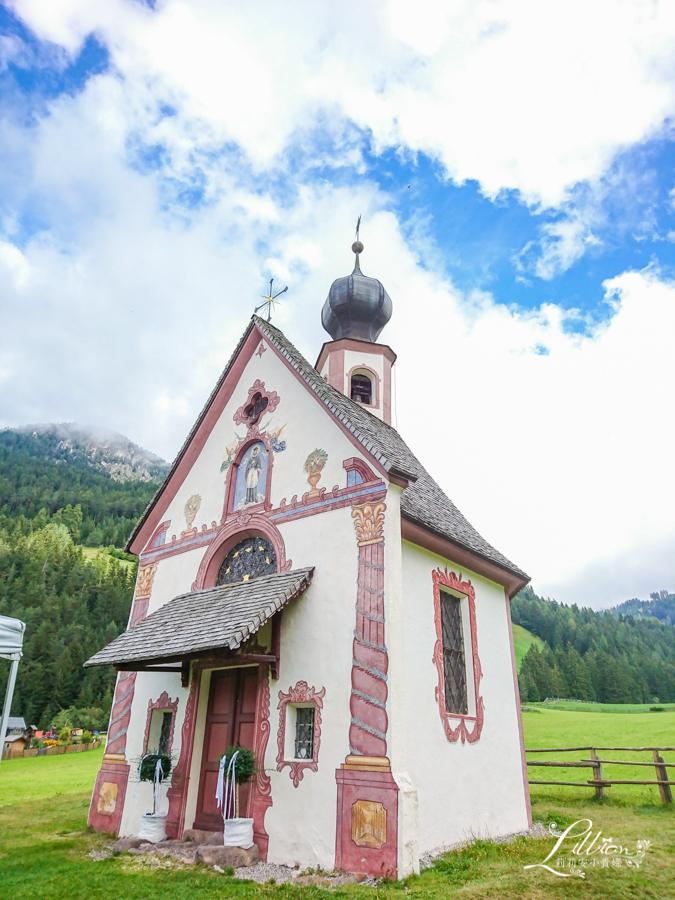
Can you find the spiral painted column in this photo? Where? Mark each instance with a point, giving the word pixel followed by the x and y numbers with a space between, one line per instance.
pixel 368 729
pixel 107 802
pixel 367 809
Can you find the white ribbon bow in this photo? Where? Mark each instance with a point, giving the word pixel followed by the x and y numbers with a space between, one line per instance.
pixel 226 787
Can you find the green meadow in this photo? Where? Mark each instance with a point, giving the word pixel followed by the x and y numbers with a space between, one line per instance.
pixel 45 844
pixel 522 639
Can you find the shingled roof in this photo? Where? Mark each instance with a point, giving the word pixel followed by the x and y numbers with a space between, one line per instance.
pixel 422 502
pixel 213 619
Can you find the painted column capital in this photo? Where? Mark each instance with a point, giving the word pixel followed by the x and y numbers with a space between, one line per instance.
pixel 369 523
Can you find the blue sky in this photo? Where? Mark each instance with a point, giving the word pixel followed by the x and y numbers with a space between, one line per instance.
pixel 514 164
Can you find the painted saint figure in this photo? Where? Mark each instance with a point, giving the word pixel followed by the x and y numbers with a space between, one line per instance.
pixel 252 473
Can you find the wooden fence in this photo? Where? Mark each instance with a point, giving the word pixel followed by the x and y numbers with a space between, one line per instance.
pixel 595 762
pixel 52 751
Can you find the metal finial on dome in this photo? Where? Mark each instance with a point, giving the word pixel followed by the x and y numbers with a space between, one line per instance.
pixel 357 246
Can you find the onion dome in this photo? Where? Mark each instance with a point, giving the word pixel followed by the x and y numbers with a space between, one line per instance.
pixel 357 306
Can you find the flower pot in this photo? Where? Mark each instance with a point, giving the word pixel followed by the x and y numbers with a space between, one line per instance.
pixel 153 827
pixel 238 833
pixel 314 479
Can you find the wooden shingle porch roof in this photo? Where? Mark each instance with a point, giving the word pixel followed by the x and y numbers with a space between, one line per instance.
pixel 194 624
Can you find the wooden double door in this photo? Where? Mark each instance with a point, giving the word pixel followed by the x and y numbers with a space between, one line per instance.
pixel 230 720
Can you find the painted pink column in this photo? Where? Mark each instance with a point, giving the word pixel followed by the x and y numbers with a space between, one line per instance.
pixel 370 662
pixel 107 801
pixel 366 838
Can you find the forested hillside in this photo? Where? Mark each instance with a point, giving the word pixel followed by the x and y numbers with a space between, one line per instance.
pixel 61 487
pixel 594 656
pixel 54 467
pixel 661 607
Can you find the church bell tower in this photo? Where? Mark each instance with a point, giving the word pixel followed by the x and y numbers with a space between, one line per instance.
pixel 355 312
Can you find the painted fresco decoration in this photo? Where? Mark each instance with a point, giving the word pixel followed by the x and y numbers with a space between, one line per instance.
pixel 192 508
pixel 314 465
pixel 274 438
pixel 230 453
pixel 251 477
pixel 250 558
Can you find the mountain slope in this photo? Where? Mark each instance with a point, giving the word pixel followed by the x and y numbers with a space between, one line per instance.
pixel 592 656
pixel 62 486
pixel 52 467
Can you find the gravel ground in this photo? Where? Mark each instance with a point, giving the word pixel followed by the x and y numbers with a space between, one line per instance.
pixel 262 872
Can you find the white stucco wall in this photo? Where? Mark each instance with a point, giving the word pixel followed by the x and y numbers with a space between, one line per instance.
pixel 462 789
pixel 149 686
pixel 318 627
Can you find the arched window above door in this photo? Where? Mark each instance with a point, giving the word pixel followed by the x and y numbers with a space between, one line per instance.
pixel 250 558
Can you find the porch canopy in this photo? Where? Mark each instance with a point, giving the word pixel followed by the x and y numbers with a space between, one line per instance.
pixel 210 623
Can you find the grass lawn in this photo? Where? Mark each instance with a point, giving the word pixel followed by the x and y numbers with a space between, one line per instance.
pixel 44 844
pixel 97 553
pixel 522 638
pixel 40 777
pixel 582 706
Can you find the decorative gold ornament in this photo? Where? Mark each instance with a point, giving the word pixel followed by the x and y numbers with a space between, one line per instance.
pixel 369 523
pixel 146 576
pixel 191 509
pixel 107 799
pixel 369 824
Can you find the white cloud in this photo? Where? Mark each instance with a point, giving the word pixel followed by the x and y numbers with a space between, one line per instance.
pixel 517 94
pixel 124 309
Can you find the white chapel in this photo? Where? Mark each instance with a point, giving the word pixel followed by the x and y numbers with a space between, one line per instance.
pixel 307 591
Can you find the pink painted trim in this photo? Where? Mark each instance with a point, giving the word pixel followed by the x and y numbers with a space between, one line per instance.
pixel 455 583
pixel 184 544
pixel 301 693
pixel 336 370
pixel 376 381
pixel 161 529
pixel 260 798
pixel 305 506
pixel 180 777
pixel 370 660
pixel 309 506
pixel 194 449
pixel 119 775
pixel 364 471
pixel 236 529
pixel 120 714
pixel 343 344
pixel 240 417
pixel 166 703
pixel 386 395
pixel 519 715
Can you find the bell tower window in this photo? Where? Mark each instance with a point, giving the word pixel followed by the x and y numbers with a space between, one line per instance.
pixel 362 389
